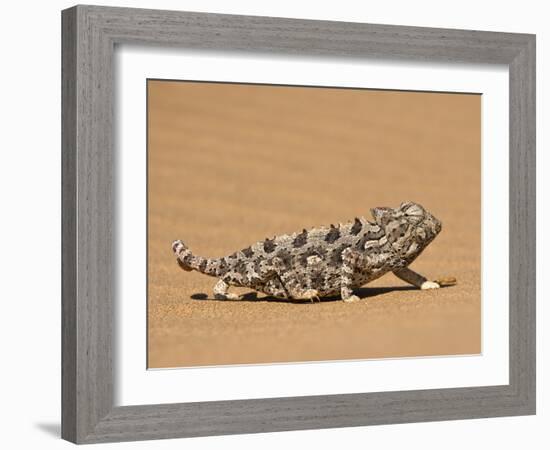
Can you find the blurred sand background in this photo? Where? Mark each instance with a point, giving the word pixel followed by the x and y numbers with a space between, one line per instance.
pixel 232 164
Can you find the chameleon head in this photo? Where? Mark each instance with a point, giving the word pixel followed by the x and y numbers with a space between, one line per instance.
pixel 408 229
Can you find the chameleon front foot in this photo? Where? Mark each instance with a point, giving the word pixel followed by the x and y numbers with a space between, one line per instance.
pixel 440 282
pixel 348 296
pixel 429 285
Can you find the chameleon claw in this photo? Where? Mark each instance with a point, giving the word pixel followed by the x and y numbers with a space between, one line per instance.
pixel 351 299
pixel 429 285
pixel 311 295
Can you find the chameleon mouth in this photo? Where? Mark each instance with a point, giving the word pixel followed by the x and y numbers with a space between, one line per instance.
pixel 433 224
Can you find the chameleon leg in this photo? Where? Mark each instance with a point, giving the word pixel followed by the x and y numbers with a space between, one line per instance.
pixel 292 284
pixel 220 292
pixel 307 294
pixel 349 262
pixel 415 279
pixel 269 278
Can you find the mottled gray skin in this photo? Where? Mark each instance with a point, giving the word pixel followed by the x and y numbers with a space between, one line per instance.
pixel 327 260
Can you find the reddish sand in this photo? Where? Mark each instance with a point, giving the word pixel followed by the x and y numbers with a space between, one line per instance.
pixel 232 164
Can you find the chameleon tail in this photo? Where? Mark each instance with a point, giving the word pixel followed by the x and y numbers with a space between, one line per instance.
pixel 187 261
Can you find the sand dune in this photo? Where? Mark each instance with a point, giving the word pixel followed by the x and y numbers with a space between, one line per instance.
pixel 231 164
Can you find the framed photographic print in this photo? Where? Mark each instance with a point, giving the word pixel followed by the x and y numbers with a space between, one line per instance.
pixel 278 224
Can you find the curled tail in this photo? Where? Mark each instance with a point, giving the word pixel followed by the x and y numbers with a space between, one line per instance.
pixel 186 259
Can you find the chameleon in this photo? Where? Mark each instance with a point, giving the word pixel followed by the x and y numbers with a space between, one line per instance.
pixel 327 260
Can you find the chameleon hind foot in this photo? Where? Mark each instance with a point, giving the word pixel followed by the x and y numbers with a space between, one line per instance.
pixel 228 296
pixel 220 292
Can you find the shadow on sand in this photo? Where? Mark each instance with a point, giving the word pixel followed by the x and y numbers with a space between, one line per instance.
pixel 361 293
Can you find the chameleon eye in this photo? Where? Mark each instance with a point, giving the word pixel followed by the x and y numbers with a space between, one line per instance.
pixel 414 210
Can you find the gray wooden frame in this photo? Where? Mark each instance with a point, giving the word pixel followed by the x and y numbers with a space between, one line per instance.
pixel 89 36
